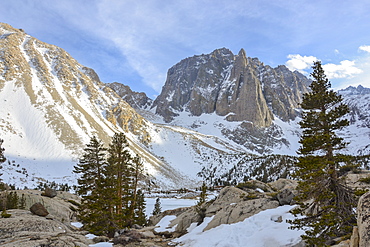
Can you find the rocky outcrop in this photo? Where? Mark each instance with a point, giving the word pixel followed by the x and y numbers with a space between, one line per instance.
pixel 232 205
pixel 235 86
pixel 24 229
pixel 363 220
pixel 46 223
pixel 134 99
pixel 62 207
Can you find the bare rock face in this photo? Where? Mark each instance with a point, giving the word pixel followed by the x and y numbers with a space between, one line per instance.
pixel 59 207
pixel 134 99
pixel 283 183
pixel 363 220
pixel 39 209
pixel 235 86
pixel 24 229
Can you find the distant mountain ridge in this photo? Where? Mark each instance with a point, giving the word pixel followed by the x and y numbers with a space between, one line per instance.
pixel 218 114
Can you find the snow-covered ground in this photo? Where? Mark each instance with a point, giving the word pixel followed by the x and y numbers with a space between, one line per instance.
pixel 260 230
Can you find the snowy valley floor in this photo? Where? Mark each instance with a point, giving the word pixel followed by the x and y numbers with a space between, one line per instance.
pixel 260 230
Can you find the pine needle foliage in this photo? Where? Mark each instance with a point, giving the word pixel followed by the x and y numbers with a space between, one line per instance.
pixel 2 157
pixel 119 180
pixel 108 186
pixel 325 202
pixel 92 211
pixel 157 207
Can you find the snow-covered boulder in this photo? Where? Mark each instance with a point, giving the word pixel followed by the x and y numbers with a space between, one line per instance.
pixel 236 212
pixel 232 205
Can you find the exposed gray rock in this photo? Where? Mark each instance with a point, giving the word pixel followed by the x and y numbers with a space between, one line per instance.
pixel 231 206
pixel 60 207
pixel 234 213
pixel 100 239
pixel 39 209
pixel 354 241
pixel 236 86
pixel 285 197
pixel 49 193
pixel 363 220
pixel 283 183
pixel 25 229
pixel 134 99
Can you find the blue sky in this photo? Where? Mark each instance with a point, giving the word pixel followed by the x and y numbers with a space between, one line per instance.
pixel 135 42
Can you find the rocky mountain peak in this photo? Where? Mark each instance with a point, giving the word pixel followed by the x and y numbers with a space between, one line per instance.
pixel 235 86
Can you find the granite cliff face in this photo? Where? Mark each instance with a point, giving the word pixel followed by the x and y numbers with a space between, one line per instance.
pixel 135 99
pixel 235 86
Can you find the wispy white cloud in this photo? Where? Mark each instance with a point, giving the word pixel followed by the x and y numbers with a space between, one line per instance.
pixel 364 48
pixel 149 36
pixel 343 74
pixel 300 63
pixel 346 69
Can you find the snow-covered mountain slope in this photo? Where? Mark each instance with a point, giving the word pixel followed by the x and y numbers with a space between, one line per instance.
pixel 51 105
pixel 358 133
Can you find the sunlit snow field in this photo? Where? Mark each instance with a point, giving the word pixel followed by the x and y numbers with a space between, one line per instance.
pixel 260 230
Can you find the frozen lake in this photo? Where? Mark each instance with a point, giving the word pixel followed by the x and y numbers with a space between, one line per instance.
pixel 168 203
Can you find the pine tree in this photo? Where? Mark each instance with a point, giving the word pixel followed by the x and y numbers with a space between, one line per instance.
pixel 92 210
pixel 22 202
pixel 138 169
pixel 326 203
pixel 157 207
pixel 90 167
pixel 2 157
pixel 200 207
pixel 139 216
pixel 119 174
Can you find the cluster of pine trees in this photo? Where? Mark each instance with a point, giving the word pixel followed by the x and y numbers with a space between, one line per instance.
pixel 108 185
pixel 12 201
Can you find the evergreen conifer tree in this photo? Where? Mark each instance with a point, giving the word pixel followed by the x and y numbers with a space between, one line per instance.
pixel 200 207
pixel 326 203
pixel 157 207
pixel 2 157
pixel 139 216
pixel 109 187
pixel 138 169
pixel 119 175
pixel 92 210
